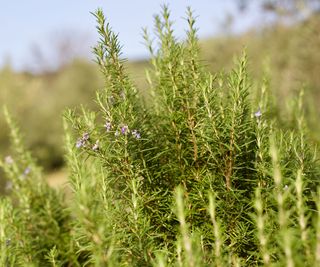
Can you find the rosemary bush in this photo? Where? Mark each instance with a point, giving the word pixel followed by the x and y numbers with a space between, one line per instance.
pixel 196 175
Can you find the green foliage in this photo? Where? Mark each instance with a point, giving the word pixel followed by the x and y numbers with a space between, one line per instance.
pixel 291 53
pixel 198 176
pixel 38 105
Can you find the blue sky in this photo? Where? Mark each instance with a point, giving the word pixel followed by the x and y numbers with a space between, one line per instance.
pixel 32 30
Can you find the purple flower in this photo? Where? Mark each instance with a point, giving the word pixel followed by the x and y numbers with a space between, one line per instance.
pixel 82 141
pixel 8 160
pixel 85 136
pixel 124 129
pixel 96 146
pixel 136 134
pixel 108 126
pixel 27 171
pixel 79 143
pixel 258 113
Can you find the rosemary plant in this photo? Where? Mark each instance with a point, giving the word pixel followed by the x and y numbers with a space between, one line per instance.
pixel 197 175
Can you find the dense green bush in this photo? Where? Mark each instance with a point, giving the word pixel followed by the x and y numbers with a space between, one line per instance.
pixel 198 176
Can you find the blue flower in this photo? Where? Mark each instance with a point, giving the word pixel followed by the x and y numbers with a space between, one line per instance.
pixel 79 143
pixel 258 113
pixel 82 141
pixel 124 129
pixel 96 146
pixel 136 134
pixel 27 171
pixel 108 126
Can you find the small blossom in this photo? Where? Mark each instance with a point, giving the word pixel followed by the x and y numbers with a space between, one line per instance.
pixel 108 126
pixel 136 134
pixel 79 143
pixel 8 160
pixel 285 187
pixel 125 129
pixel 96 146
pixel 82 141
pixel 258 113
pixel 116 133
pixel 27 171
pixel 85 137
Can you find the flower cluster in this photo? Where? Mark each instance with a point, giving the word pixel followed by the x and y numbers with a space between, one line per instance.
pixel 81 142
pixel 124 130
pixel 84 140
pixel 136 134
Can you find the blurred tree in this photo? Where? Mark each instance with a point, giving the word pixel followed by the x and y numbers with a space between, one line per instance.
pixel 292 9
